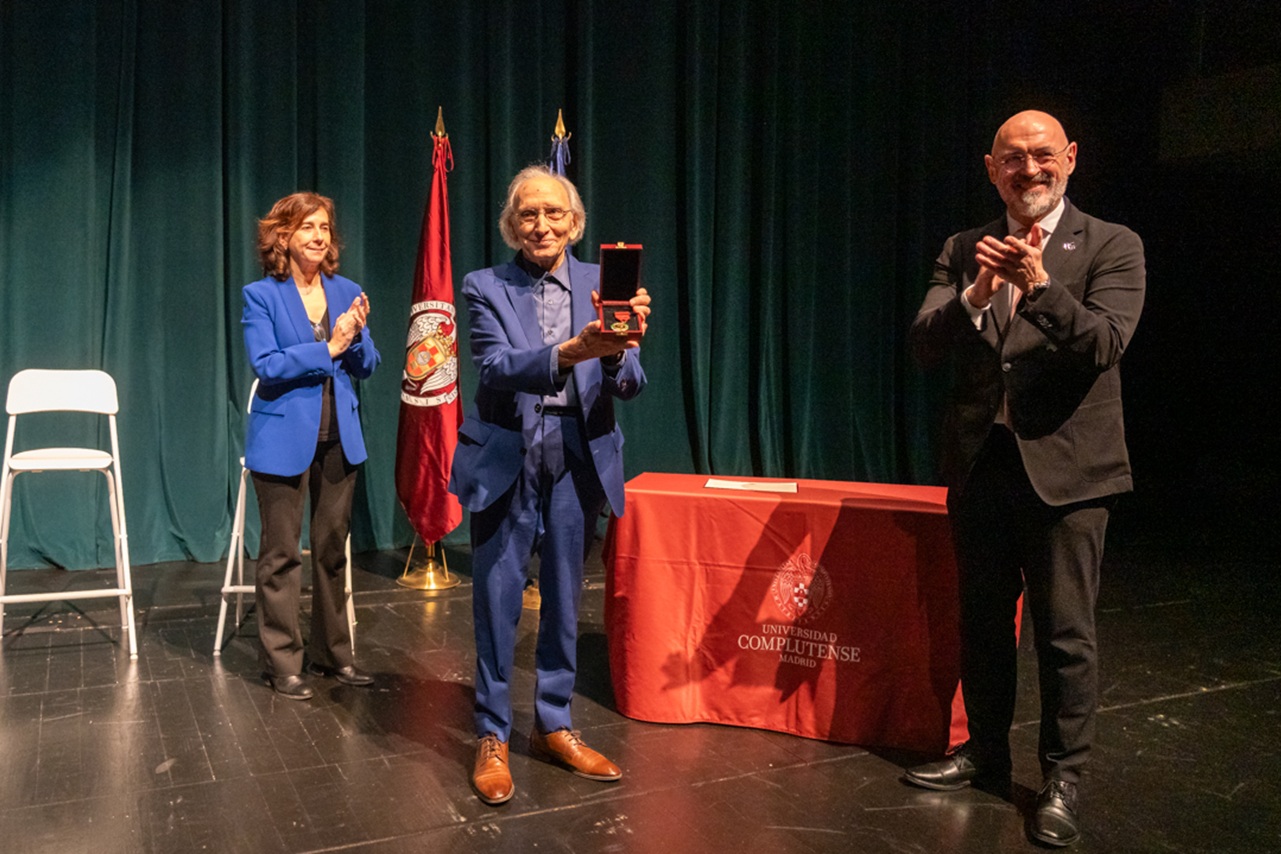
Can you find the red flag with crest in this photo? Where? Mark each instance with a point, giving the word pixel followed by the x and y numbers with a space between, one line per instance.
pixel 429 407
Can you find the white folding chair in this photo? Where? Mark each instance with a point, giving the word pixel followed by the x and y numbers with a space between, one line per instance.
pixel 236 564
pixel 34 391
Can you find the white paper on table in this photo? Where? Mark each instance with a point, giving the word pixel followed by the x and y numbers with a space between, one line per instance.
pixel 751 486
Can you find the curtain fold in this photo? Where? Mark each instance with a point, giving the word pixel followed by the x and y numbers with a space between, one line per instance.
pixel 785 166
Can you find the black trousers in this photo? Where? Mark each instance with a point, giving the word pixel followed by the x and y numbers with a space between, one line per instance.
pixel 1008 539
pixel 330 482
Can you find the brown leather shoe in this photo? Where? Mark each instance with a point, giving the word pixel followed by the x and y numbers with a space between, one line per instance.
pixel 565 747
pixel 530 598
pixel 491 777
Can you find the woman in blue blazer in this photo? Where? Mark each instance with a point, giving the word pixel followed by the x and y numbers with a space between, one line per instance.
pixel 303 437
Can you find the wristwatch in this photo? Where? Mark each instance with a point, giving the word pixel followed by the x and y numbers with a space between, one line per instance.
pixel 1033 287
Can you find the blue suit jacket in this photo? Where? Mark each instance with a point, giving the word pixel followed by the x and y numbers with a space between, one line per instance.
pixel 291 366
pixel 516 369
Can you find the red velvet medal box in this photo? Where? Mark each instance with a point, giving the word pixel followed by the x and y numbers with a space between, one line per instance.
pixel 619 278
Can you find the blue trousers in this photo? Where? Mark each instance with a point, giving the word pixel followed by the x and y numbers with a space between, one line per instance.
pixel 550 510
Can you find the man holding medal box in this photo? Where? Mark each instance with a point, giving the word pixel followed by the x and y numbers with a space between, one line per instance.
pixel 538 457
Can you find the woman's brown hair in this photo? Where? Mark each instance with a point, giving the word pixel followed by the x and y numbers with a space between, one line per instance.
pixel 275 229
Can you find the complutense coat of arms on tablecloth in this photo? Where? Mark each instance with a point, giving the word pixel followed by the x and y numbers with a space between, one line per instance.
pixel 802 589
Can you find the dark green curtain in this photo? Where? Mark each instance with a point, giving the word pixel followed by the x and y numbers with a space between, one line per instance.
pixel 791 169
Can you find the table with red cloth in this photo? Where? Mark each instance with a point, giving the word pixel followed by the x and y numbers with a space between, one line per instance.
pixel 829 613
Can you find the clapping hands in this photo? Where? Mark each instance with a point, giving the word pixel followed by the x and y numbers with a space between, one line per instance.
pixel 348 326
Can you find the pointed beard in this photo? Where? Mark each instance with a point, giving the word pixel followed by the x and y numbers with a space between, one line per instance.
pixel 1036 205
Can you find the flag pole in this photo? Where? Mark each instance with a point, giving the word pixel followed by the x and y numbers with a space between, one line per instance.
pixel 531 597
pixel 431 575
pixel 429 389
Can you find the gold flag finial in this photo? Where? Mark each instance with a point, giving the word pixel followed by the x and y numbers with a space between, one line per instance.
pixel 440 122
pixel 560 124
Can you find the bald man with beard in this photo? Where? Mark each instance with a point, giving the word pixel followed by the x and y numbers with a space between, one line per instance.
pixel 1032 312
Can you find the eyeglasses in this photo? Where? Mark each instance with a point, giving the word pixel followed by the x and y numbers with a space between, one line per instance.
pixel 1014 161
pixel 530 216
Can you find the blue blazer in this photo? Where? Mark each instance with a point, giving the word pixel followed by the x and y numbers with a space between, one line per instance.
pixel 291 366
pixel 516 368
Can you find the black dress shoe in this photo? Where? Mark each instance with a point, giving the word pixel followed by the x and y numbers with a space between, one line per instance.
pixel 1055 822
pixel 957 770
pixel 347 675
pixel 290 687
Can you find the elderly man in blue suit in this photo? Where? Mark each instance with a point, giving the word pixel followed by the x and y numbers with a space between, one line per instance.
pixel 537 458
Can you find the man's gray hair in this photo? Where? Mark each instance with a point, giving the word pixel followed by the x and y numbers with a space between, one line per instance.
pixel 507 220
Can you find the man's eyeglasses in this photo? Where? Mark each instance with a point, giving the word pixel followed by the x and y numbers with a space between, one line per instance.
pixel 1014 161
pixel 530 216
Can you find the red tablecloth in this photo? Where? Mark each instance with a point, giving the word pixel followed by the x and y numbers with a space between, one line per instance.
pixel 829 613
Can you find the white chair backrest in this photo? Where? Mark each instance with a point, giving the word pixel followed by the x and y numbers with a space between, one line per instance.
pixel 36 390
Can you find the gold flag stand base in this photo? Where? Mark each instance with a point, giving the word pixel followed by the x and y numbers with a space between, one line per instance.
pixel 431 576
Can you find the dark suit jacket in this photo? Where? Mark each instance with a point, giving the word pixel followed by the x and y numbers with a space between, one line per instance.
pixel 291 366
pixel 1056 361
pixel 514 366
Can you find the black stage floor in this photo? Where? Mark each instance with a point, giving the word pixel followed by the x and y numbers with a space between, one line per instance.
pixel 183 752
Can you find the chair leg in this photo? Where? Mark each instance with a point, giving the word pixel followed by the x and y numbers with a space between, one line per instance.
pixel 351 604
pixel 240 554
pixel 240 580
pixel 233 549
pixel 116 544
pixel 235 563
pixel 124 579
pixel 6 497
pixel 133 632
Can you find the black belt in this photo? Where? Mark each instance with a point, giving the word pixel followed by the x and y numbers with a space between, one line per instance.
pixel 559 410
